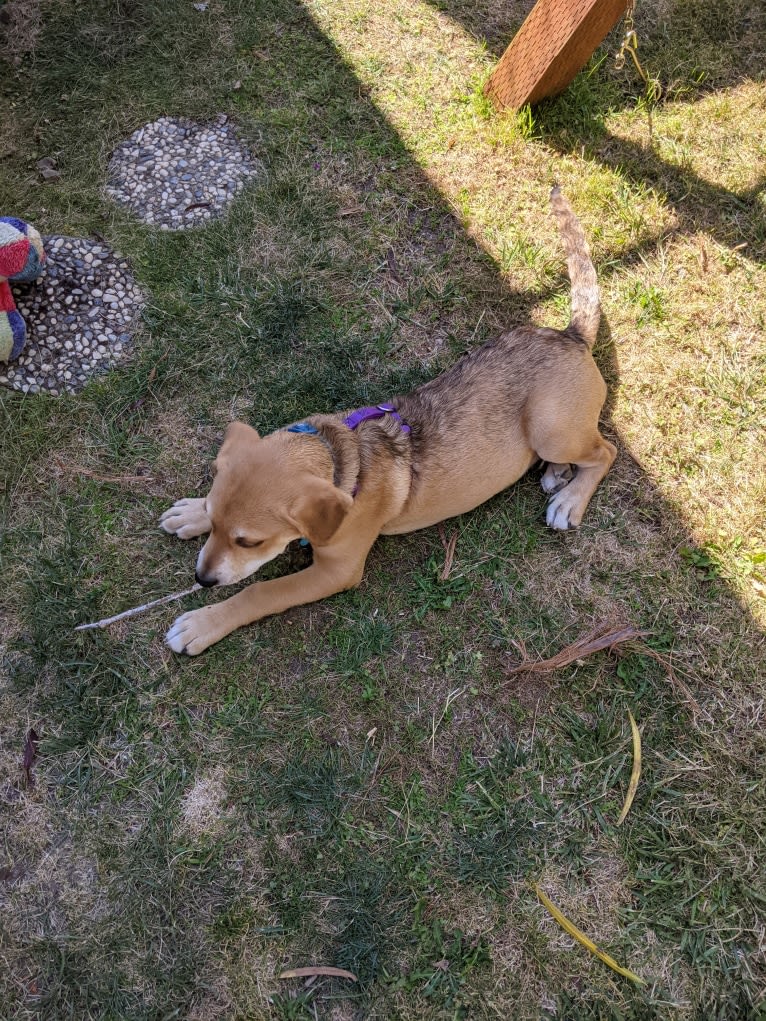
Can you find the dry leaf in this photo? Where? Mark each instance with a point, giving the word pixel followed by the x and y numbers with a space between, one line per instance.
pixel 30 754
pixel 449 552
pixel 581 938
pixel 602 637
pixel 393 269
pixel 635 774
pixel 310 972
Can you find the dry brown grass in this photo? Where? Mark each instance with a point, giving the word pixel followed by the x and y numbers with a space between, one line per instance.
pixel 20 28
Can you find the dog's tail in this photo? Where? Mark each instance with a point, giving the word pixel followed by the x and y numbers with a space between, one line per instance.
pixel 586 306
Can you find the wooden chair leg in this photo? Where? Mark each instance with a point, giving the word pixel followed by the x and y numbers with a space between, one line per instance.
pixel 554 43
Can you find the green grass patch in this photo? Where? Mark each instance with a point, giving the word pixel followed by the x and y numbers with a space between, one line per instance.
pixel 360 783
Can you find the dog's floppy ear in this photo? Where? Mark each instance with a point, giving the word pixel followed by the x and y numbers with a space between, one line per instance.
pixel 238 435
pixel 240 432
pixel 319 511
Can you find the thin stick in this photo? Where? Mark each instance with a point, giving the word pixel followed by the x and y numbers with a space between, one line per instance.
pixel 139 609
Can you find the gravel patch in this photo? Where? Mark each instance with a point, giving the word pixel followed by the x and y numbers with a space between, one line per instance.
pixel 80 317
pixel 176 173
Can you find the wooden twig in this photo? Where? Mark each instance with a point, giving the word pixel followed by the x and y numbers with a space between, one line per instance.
pixel 139 609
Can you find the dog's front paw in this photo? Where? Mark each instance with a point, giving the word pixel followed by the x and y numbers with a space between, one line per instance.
pixel 564 510
pixel 195 631
pixel 187 519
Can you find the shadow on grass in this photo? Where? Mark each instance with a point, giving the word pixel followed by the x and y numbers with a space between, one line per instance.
pixel 573 124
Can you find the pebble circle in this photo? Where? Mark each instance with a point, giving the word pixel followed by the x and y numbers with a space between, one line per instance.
pixel 80 316
pixel 176 173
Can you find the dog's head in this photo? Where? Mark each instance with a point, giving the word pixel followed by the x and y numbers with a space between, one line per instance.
pixel 264 495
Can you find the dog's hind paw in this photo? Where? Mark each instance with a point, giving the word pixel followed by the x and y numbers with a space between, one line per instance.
pixel 556 476
pixel 187 519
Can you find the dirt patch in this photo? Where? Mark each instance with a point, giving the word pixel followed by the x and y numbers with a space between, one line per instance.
pixel 203 809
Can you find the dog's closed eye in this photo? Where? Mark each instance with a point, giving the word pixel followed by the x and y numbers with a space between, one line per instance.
pixel 248 543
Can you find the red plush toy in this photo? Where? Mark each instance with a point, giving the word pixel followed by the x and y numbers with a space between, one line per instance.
pixel 22 257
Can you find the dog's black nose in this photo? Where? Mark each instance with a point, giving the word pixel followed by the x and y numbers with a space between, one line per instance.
pixel 204 582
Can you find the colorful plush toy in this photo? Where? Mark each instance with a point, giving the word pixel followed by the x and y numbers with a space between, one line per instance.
pixel 22 257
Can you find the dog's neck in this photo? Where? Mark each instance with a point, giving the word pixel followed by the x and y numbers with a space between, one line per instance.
pixel 346 445
pixel 342 446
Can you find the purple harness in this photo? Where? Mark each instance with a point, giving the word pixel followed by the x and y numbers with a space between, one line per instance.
pixel 363 414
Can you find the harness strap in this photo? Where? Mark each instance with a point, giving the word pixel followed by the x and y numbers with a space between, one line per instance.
pixel 378 411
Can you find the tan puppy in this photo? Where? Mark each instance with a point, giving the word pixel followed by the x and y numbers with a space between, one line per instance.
pixel 343 480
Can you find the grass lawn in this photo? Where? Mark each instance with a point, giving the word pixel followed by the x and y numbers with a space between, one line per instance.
pixel 361 783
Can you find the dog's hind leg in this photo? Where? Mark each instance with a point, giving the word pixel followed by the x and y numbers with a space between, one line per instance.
pixel 187 519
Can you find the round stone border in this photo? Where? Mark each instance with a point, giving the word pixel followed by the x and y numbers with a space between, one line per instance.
pixel 175 173
pixel 80 317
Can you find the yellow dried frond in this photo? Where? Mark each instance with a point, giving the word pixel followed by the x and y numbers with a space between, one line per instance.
pixel 636 771
pixel 581 938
